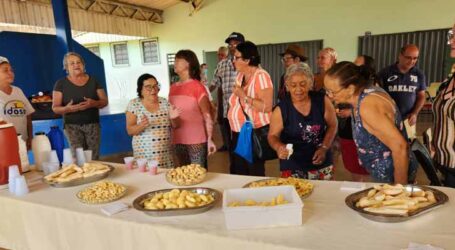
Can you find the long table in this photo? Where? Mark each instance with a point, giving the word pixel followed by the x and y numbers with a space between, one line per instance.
pixel 53 218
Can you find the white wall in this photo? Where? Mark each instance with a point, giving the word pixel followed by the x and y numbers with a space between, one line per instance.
pixel 121 81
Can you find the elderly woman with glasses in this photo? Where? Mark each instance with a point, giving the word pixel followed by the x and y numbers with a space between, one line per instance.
pixel 78 97
pixel 307 121
pixel 378 132
pixel 252 99
pixel 444 123
pixel 149 119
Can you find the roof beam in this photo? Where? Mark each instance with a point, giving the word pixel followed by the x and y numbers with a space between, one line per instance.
pixel 109 7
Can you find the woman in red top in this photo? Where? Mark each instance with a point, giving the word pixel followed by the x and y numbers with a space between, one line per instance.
pixel 193 138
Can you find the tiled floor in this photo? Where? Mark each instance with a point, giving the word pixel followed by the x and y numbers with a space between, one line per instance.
pixel 219 162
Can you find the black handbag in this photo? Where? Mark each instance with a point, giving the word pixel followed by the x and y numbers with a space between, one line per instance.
pixel 261 148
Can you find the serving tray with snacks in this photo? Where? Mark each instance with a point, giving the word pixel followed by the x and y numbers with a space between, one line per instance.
pixel 188 175
pixel 303 187
pixel 72 175
pixel 178 201
pixel 395 203
pixel 101 192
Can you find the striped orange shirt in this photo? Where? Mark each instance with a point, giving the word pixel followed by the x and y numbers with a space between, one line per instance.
pixel 259 81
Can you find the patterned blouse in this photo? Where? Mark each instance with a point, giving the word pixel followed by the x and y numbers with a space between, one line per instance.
pixel 374 155
pixel 154 142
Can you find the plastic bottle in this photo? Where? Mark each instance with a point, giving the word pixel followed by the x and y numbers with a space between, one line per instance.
pixel 56 138
pixel 9 150
pixel 25 164
pixel 41 148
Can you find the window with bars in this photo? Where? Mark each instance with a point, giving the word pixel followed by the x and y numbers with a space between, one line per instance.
pixel 120 54
pixel 95 50
pixel 150 51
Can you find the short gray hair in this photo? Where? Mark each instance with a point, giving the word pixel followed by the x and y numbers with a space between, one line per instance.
pixel 300 68
pixel 65 59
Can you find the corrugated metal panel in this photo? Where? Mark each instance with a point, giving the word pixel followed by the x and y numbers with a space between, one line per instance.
pixel 271 59
pixel 38 14
pixel 386 48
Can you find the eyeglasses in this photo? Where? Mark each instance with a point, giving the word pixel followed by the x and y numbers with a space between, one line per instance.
pixel 450 36
pixel 410 58
pixel 235 58
pixel 151 87
pixel 286 58
pixel 331 93
pixel 234 45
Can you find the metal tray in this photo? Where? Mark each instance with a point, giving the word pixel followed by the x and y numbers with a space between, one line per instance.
pixel 80 181
pixel 105 201
pixel 352 199
pixel 301 196
pixel 138 203
pixel 168 179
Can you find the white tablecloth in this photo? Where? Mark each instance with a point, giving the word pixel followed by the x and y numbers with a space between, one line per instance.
pixel 53 218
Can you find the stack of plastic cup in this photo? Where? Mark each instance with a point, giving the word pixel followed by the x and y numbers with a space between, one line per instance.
pixel 80 157
pixel 88 155
pixel 53 157
pixel 129 161
pixel 153 167
pixel 142 164
pixel 13 172
pixel 50 167
pixel 20 186
pixel 67 157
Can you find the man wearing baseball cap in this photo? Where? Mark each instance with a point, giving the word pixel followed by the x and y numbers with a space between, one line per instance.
pixel 294 54
pixel 224 78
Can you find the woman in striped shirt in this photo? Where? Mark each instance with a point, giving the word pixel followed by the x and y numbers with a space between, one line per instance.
pixel 253 92
pixel 444 123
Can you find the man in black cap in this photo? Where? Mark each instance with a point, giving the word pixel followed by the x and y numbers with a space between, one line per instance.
pixel 224 78
pixel 294 54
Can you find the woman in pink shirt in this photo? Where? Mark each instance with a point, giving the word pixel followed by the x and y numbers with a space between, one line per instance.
pixel 192 140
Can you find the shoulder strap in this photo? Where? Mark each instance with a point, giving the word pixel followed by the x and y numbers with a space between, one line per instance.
pixel 241 106
pixel 244 113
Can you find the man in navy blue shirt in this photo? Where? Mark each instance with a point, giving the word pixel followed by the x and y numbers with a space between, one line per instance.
pixel 405 83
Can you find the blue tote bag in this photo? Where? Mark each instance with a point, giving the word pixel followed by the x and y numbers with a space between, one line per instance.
pixel 244 147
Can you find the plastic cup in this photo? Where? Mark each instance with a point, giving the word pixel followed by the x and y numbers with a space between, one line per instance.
pixel 67 156
pixel 20 186
pixel 45 167
pixel 80 157
pixel 153 167
pixel 53 167
pixel 129 161
pixel 53 157
pixel 88 155
pixel 13 172
pixel 142 164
